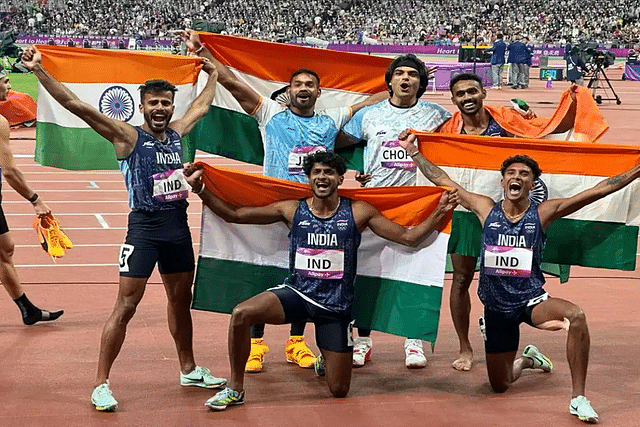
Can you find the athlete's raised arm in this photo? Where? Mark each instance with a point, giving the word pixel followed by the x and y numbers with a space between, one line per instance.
pixel 122 135
pixel 477 203
pixel 367 215
pixel 275 212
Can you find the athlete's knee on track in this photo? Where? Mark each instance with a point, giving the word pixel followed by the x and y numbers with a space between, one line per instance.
pixel 339 388
pixel 499 385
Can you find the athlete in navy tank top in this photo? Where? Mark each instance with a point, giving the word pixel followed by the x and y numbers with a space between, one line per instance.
pixel 510 264
pixel 157 231
pixel 147 164
pixel 323 256
pixel 513 244
pixel 324 239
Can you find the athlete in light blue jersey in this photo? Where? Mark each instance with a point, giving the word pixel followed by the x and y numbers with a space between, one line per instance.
pixel 151 161
pixel 511 282
pixel 386 163
pixel 325 234
pixel 289 133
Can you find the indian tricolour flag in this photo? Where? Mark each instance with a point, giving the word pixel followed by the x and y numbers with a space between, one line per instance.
pixel 398 289
pixel 107 80
pixel 603 234
pixel 345 79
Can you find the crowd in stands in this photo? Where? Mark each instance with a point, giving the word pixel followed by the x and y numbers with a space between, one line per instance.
pixel 351 21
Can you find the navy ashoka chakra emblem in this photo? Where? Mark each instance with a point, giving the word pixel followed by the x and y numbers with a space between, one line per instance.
pixel 117 103
pixel 539 193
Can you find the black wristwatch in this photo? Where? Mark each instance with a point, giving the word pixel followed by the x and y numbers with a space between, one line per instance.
pixel 33 198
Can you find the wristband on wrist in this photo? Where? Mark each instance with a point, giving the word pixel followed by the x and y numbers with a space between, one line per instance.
pixel 198 191
pixel 33 198
pixel 414 154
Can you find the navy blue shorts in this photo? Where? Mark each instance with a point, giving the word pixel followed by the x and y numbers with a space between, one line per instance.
pixel 4 227
pixel 502 330
pixel 334 331
pixel 161 237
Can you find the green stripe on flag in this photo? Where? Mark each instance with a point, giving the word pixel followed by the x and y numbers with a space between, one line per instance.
pixel 220 284
pixel 395 307
pixel 227 133
pixel 399 308
pixel 596 244
pixel 73 148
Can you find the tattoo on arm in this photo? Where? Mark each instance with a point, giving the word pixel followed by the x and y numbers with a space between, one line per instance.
pixel 616 180
pixel 431 171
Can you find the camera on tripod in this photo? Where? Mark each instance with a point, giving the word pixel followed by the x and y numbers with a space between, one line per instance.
pixel 594 58
pixel 595 61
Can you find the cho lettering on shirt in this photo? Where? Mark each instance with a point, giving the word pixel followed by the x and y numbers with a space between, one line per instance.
pixel 394 156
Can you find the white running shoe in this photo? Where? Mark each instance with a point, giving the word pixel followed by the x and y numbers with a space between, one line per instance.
pixel 362 351
pixel 103 399
pixel 201 377
pixel 414 354
pixel 582 408
pixel 540 361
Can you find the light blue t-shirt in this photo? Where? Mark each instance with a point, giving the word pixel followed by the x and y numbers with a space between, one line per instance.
pixel 379 125
pixel 288 138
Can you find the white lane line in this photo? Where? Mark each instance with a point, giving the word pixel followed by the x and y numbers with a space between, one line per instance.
pixel 93 184
pixel 101 221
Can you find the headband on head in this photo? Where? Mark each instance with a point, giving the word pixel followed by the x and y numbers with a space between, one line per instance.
pixel 407 62
pixel 3 74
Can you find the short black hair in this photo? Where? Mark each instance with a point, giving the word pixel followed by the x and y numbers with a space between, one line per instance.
pixel 156 86
pixel 305 71
pixel 328 158
pixel 526 160
pixel 411 59
pixel 465 76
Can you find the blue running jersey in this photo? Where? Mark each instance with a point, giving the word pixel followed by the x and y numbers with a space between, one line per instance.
pixel 152 161
pixel 323 256
pixel 510 273
pixel 289 138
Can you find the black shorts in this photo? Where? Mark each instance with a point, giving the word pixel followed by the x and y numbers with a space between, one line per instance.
pixel 4 227
pixel 334 331
pixel 502 330
pixel 161 237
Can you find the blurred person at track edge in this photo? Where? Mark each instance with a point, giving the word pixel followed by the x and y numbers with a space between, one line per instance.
pixel 14 177
pixel 150 156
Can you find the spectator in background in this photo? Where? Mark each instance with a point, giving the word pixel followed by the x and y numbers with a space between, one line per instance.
pixel 520 57
pixel 497 60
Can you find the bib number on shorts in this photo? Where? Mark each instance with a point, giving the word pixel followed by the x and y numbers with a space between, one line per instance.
pixel 508 261
pixel 297 155
pixel 393 156
pixel 170 186
pixel 123 259
pixel 320 263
